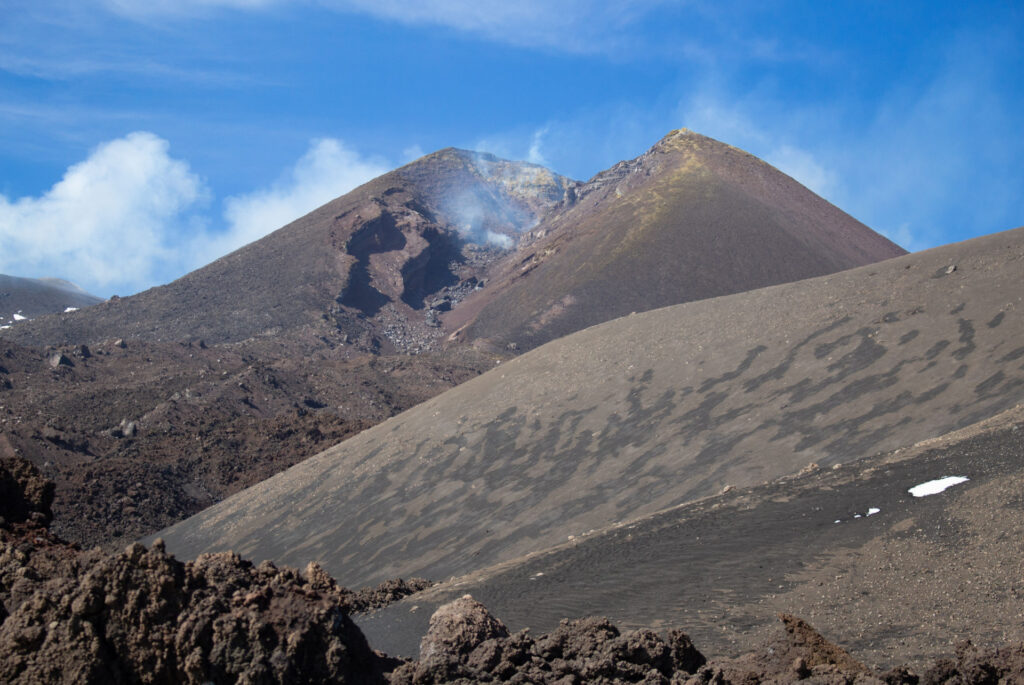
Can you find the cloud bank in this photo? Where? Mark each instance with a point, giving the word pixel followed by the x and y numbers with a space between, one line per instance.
pixel 109 222
pixel 327 170
pixel 576 26
pixel 130 216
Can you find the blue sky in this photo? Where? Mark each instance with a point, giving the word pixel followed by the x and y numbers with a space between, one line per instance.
pixel 140 139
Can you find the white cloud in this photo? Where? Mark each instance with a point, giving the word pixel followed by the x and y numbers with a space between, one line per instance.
pixel 535 155
pixel 327 170
pixel 106 224
pixel 144 8
pixel 583 26
pixel 413 152
pixel 802 165
pixel 128 217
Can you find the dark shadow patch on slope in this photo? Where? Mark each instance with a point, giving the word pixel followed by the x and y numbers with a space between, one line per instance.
pixel 375 236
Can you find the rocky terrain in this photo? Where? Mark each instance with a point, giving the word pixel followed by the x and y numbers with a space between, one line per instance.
pixel 141 434
pixel 147 409
pixel 841 451
pixel 141 616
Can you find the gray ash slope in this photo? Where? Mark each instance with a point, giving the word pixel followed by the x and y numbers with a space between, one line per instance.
pixel 32 297
pixel 647 412
pixel 892 577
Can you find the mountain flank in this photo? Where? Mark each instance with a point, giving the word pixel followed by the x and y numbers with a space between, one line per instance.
pixel 647 412
pixel 357 269
pixel 499 252
pixel 146 409
pixel 888 575
pixel 690 219
pixel 27 298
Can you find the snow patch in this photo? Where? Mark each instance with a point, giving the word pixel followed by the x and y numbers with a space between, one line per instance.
pixel 70 309
pixel 871 512
pixel 934 487
pixel 19 317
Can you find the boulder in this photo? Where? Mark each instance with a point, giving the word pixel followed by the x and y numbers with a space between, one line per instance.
pixel 458 627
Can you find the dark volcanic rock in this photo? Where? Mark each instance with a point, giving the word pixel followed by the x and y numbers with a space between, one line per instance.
pixel 139 437
pixel 143 617
pixel 24 492
pixel 971 664
pixel 459 627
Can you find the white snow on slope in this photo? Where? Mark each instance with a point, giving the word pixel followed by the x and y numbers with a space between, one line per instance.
pixel 934 487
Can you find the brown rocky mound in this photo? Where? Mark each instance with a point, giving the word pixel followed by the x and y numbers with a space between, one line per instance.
pixel 143 617
pixel 466 644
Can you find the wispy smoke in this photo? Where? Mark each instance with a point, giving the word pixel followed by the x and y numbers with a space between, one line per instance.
pixel 535 156
pixel 476 217
pixel 508 198
pixel 499 239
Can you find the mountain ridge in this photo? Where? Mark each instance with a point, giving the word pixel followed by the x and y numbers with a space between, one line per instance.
pixel 31 297
pixel 344 317
pixel 642 235
pixel 649 411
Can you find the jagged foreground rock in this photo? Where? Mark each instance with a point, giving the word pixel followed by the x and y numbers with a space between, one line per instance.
pixel 648 412
pixel 143 617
